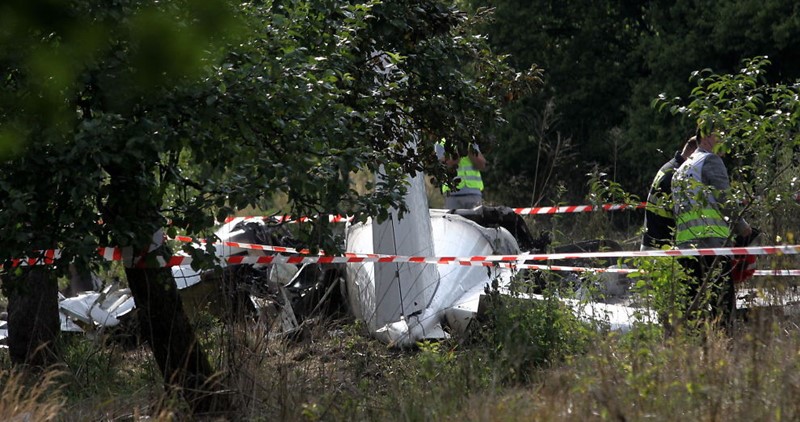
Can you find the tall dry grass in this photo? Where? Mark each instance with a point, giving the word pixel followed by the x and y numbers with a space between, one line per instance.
pixel 30 395
pixel 334 371
pixel 751 375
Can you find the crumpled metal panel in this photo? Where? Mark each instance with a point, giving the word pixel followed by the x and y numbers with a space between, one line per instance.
pixel 454 296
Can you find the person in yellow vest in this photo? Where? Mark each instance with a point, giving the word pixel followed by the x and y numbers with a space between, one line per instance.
pixel 659 218
pixel 468 192
pixel 704 218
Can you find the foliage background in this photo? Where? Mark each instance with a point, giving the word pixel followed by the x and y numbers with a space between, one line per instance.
pixel 604 63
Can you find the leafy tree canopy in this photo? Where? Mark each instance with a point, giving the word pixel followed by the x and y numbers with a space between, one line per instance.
pixel 121 117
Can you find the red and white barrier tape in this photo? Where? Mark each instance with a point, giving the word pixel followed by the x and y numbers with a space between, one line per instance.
pixel 278 219
pixel 252 246
pixel 566 209
pixel 47 257
pixel 749 250
pixel 777 273
pixel 578 208
pixel 490 260
pixel 364 258
pixel 269 248
pixel 518 261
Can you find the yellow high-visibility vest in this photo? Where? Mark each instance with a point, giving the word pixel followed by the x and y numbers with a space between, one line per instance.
pixel 697 214
pixel 467 175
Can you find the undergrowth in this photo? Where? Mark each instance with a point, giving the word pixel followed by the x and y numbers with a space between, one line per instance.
pixel 523 360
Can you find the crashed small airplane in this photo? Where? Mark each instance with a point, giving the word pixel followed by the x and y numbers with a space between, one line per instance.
pixel 403 303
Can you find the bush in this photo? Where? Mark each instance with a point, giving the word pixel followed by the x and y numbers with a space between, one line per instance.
pixel 523 333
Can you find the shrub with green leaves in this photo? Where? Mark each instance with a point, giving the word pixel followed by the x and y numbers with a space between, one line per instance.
pixel 525 333
pixel 661 285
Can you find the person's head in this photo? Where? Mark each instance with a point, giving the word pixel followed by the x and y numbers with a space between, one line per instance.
pixel 689 147
pixel 707 135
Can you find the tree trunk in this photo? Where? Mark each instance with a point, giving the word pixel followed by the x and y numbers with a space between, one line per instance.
pixel 33 321
pixel 165 326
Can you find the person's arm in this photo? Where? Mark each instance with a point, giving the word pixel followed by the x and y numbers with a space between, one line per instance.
pixel 478 160
pixel 451 162
pixel 445 158
pixel 716 175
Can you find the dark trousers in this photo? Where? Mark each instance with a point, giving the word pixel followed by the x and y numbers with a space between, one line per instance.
pixel 711 293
